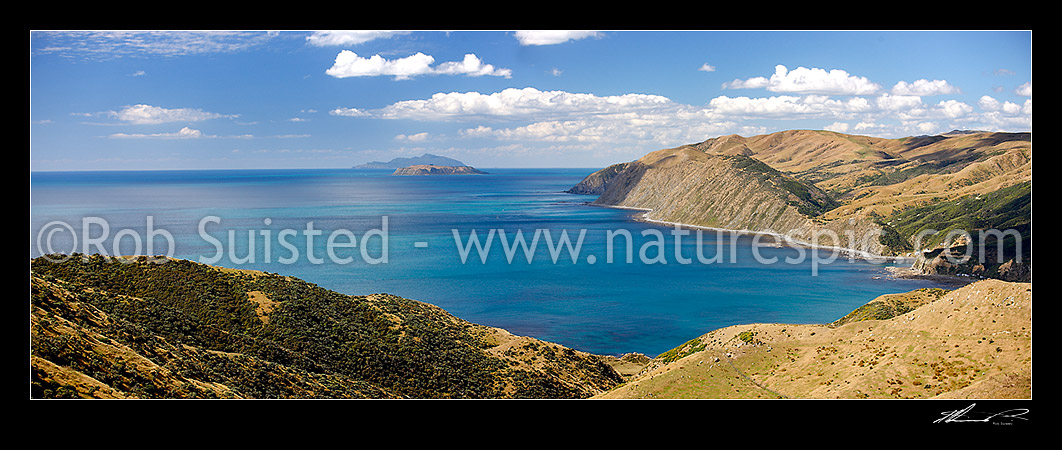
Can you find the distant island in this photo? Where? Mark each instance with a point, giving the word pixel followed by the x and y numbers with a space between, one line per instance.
pixel 425 159
pixel 431 169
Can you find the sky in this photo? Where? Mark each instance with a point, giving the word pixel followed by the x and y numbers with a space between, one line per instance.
pixel 244 99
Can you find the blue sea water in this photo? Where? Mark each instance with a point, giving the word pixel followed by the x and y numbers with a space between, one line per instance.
pixel 406 236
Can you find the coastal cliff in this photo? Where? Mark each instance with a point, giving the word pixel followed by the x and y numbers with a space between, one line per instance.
pixel 734 192
pixel 429 169
pixel 873 196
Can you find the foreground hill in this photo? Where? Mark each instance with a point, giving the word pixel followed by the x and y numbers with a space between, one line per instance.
pixel 973 342
pixel 871 195
pixel 179 329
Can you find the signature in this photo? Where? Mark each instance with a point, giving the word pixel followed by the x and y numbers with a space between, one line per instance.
pixel 961 415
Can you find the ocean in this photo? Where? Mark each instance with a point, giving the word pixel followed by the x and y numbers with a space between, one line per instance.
pixel 364 231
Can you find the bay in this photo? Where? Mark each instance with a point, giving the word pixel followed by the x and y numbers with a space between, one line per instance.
pixel 663 296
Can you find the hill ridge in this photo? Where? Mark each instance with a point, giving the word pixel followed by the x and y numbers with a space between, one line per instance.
pixel 840 185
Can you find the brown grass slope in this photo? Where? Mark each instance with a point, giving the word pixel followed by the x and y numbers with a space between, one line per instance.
pixel 973 342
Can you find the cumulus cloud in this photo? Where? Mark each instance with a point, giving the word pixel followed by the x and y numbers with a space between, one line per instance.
pixel 110 45
pixel 804 80
pixel 751 83
pixel 148 115
pixel 954 108
pixel 471 66
pixel 988 103
pixel 787 106
pixel 897 102
pixel 657 130
pixel 419 137
pixel 839 127
pixel 551 37
pixel 707 68
pixel 526 103
pixel 349 112
pixel 348 37
pixel 1024 90
pixel 183 133
pixel 349 64
pixel 924 88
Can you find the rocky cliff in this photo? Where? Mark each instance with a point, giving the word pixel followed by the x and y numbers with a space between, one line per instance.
pixel 734 192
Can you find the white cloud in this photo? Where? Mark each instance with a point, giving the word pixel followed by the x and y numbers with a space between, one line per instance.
pixel 1024 90
pixel 348 37
pixel 954 108
pixel 349 112
pixel 349 64
pixel 839 127
pixel 898 102
pixel 147 115
pixel 551 37
pixel 927 127
pixel 924 88
pixel 110 45
pixel 527 103
pixel 419 137
pixel 707 68
pixel 863 126
pixel 988 103
pixel 809 81
pixel 183 133
pixel 785 106
pixel 751 83
pixel 653 130
pixel 471 66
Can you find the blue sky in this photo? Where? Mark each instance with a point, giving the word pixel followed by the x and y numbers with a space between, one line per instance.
pixel 124 100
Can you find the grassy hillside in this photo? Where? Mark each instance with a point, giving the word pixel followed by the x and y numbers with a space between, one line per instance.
pixel 104 328
pixel 835 182
pixel 972 342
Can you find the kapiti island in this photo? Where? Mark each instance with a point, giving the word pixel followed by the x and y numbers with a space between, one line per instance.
pixel 431 169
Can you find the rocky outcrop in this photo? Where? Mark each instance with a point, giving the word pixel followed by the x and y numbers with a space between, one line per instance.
pixel 428 169
pixel 958 261
pixel 595 183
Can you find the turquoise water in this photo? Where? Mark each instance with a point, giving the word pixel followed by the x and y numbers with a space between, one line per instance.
pixel 647 305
